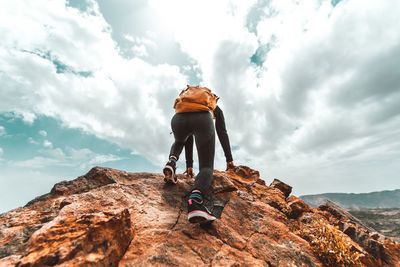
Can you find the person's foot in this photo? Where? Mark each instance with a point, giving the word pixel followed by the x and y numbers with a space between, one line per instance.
pixel 169 173
pixel 198 213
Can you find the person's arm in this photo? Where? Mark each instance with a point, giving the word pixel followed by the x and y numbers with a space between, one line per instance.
pixel 222 133
pixel 189 156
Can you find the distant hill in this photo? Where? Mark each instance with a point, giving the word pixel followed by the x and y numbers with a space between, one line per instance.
pixel 385 221
pixel 381 199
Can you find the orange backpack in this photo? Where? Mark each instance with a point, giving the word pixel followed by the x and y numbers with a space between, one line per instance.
pixel 194 99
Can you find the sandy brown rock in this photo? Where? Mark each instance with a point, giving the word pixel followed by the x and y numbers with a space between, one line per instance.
pixel 298 207
pixel 113 218
pixel 284 188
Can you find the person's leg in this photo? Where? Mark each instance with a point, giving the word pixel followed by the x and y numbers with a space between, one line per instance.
pixel 204 133
pixel 205 143
pixel 180 124
pixel 180 128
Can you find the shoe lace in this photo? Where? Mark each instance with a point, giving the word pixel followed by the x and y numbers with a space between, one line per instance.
pixel 197 201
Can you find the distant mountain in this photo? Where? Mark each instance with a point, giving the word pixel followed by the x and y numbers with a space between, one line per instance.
pixel 385 221
pixel 381 199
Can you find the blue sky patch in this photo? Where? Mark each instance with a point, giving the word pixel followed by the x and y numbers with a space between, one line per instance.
pixel 260 55
pixel 35 156
pixel 24 141
pixel 335 2
pixel 60 66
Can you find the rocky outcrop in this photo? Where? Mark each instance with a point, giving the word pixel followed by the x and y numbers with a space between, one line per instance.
pixel 375 244
pixel 113 218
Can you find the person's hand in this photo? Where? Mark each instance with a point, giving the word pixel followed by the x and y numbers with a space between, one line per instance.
pixel 189 172
pixel 230 165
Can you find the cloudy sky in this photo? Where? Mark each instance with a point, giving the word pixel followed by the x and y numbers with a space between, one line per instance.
pixel 310 89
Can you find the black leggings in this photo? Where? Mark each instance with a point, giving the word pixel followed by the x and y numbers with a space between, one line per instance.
pixel 201 125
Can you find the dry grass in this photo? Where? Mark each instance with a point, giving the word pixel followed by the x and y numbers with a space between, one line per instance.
pixel 330 245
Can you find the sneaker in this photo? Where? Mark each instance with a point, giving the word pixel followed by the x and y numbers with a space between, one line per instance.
pixel 169 173
pixel 198 213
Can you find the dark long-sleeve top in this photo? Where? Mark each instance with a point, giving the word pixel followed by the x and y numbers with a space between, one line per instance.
pixel 222 136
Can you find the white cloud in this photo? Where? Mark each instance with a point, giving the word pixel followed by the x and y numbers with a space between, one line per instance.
pixel 323 93
pixel 56 153
pixel 1 152
pixel 38 162
pixel 43 133
pixel 2 130
pixel 140 45
pixel 47 144
pixel 87 158
pixel 99 159
pixel 201 28
pixel 124 101
pixel 317 97
pixel 32 141
pixel 82 158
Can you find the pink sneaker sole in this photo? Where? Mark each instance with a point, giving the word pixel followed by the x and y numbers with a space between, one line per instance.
pixel 198 216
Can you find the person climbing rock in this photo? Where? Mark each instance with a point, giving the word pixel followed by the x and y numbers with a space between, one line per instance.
pixel 194 116
pixel 223 139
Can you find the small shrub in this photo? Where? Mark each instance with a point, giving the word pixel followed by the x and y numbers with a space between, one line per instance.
pixel 329 244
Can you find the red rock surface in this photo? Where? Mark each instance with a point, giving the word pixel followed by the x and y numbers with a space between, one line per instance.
pixel 113 218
